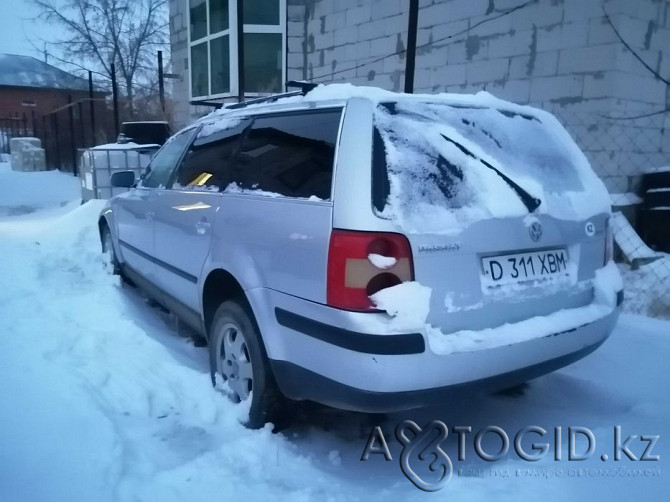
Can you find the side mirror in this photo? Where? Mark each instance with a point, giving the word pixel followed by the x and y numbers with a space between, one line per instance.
pixel 123 179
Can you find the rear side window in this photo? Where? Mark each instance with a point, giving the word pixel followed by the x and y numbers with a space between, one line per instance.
pixel 289 155
pixel 207 164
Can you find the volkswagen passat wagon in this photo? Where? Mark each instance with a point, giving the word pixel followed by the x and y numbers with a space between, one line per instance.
pixel 371 250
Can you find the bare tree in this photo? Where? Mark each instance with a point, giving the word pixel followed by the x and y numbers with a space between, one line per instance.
pixel 101 32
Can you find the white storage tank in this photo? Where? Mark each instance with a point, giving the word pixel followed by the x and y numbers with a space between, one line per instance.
pixel 99 163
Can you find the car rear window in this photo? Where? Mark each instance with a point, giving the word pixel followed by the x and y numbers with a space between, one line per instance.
pixel 289 155
pixel 440 166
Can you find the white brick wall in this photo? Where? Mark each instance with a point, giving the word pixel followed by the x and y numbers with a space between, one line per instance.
pixel 558 54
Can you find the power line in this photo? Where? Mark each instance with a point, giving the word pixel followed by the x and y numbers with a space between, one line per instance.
pixel 637 56
pixel 633 117
pixel 422 46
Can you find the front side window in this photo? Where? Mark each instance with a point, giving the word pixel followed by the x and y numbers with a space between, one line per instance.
pixel 164 162
pixel 207 164
pixel 289 155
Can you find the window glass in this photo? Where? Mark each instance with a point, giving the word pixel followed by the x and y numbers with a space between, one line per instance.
pixel 220 64
pixel 290 155
pixel 263 62
pixel 206 165
pixel 199 72
pixel 163 163
pixel 198 16
pixel 261 12
pixel 218 16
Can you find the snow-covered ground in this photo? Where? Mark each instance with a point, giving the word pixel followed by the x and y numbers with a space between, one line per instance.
pixel 101 399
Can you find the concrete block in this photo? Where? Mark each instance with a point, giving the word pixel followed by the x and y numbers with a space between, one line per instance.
pixel 564 36
pixel 454 10
pixel 547 88
pixel 445 30
pixel 544 64
pixel 324 41
pixel 345 35
pixel 600 32
pixel 335 21
pixel 575 10
pixel 449 75
pixel 616 84
pixel 373 29
pixel 357 51
pixel 487 71
pixel 393 64
pixel 382 9
pixel 294 60
pixel 537 14
pixel 437 14
pixel 295 12
pixel 395 24
pixel 295 44
pixel 510 45
pixel 499 26
pixel 587 59
pixel 456 53
pixel 430 60
pixel 358 15
pixel 517 91
pixel 383 46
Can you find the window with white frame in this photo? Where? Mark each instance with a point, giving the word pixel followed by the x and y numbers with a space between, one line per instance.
pixel 213 50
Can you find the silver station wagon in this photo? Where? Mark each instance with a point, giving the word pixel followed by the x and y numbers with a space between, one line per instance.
pixel 369 250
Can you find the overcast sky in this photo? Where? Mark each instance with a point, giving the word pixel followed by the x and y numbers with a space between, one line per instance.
pixel 17 30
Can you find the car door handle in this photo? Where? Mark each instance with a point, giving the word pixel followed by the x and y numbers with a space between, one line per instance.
pixel 202 226
pixel 150 215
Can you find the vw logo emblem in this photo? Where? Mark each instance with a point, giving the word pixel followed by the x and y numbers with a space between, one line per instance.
pixel 535 231
pixel 590 229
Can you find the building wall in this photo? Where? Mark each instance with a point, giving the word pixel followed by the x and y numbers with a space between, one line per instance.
pixel 11 99
pixel 560 55
pixel 179 54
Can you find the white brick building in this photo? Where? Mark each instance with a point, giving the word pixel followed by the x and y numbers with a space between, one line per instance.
pixel 560 55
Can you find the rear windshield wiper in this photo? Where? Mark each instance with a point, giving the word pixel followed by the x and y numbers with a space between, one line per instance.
pixel 532 203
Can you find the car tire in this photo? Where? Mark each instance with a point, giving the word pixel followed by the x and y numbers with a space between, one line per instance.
pixel 238 358
pixel 110 262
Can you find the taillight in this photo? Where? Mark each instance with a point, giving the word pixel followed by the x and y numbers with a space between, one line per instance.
pixel 362 263
pixel 609 242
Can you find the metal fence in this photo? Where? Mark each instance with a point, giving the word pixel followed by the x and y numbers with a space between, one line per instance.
pixel 632 157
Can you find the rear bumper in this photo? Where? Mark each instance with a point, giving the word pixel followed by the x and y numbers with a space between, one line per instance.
pixel 350 369
pixel 299 383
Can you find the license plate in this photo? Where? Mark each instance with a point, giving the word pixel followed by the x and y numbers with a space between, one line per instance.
pixel 513 268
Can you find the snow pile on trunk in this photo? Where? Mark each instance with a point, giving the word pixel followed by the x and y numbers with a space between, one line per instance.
pixel 408 303
pixel 606 284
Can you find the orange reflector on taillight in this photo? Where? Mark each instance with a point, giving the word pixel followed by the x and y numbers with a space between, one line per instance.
pixel 352 277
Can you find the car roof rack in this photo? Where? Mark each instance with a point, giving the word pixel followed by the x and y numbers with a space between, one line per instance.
pixel 213 104
pixel 304 87
pixel 264 99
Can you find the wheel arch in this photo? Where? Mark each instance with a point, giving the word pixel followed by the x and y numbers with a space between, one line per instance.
pixel 102 225
pixel 220 286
